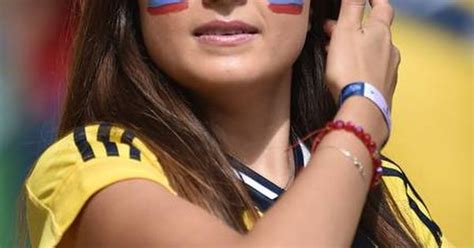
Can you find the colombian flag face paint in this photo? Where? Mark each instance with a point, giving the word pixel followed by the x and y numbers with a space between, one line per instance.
pixel 159 7
pixel 293 7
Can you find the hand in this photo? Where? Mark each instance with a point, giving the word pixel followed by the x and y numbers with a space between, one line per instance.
pixel 362 52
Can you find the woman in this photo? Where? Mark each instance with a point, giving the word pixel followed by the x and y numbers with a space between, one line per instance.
pixel 179 119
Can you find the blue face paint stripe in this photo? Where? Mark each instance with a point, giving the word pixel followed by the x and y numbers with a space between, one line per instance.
pixel 296 2
pixel 159 3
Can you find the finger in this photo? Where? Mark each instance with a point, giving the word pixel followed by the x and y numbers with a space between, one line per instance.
pixel 329 27
pixel 397 55
pixel 381 11
pixel 352 12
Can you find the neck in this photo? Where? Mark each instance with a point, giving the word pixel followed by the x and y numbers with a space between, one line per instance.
pixel 253 125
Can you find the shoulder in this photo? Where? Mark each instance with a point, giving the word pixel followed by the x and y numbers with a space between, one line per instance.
pixel 95 142
pixel 76 167
pixel 410 204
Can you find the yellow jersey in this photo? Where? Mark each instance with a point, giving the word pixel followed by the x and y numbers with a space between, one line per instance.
pixel 89 159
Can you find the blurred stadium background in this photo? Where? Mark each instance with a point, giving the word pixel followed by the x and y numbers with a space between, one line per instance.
pixel 433 109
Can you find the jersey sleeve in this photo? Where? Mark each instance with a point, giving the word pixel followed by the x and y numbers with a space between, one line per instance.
pixel 411 205
pixel 73 169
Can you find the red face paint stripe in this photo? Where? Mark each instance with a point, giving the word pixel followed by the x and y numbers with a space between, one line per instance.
pixel 286 8
pixel 167 8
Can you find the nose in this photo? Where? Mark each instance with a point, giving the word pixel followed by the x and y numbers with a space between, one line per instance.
pixel 223 5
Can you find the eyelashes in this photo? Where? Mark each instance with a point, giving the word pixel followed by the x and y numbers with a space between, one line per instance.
pixel 293 7
pixel 160 7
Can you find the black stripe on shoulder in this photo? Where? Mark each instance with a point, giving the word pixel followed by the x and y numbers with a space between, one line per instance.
pixel 399 173
pixel 127 138
pixel 430 224
pixel 82 144
pixel 103 135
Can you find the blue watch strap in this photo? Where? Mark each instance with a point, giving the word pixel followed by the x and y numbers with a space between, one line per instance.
pixel 369 91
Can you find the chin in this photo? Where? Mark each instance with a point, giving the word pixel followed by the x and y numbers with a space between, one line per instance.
pixel 226 72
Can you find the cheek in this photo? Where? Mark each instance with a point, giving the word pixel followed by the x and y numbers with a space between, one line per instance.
pixel 160 7
pixel 292 7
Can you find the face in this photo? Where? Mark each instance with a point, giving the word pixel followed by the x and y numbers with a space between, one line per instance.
pixel 211 44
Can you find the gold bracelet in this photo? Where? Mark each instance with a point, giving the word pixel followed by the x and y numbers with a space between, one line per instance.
pixel 350 156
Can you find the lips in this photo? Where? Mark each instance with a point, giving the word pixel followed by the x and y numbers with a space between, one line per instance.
pixel 225 28
pixel 222 33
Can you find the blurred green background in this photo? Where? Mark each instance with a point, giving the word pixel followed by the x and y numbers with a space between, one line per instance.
pixel 433 107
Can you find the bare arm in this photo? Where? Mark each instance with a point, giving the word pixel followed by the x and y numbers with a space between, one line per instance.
pixel 322 207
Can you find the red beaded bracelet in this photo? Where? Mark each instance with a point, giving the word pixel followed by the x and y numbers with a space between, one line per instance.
pixel 359 133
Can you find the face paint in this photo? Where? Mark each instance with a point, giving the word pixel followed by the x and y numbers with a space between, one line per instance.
pixel 159 7
pixel 293 7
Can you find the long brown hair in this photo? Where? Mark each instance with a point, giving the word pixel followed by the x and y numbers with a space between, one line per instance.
pixel 113 79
